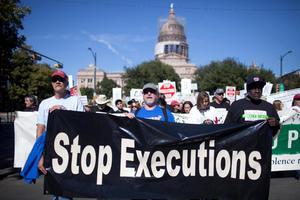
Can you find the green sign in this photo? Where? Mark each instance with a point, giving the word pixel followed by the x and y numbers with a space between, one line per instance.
pixel 286 147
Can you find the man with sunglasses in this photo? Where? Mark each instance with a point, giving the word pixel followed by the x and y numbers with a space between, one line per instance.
pixel 60 101
pixel 151 109
pixel 219 101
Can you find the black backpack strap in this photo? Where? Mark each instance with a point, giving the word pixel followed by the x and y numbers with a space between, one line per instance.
pixel 165 114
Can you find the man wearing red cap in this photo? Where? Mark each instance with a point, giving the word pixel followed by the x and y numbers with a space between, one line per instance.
pixel 252 107
pixel 61 100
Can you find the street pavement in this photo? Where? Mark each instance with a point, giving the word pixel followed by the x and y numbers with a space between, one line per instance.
pixel 12 188
pixel 283 185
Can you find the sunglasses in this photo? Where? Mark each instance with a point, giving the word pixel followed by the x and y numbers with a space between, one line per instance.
pixel 146 91
pixel 57 78
pixel 220 94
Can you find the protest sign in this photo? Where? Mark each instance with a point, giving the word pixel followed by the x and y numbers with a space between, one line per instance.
pixel 286 147
pixel 168 88
pixel 25 135
pixel 230 93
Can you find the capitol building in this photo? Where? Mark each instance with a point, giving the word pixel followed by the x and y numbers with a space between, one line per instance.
pixel 171 48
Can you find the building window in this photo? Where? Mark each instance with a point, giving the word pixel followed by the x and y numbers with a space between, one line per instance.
pixel 166 50
pixel 177 48
pixel 172 48
pixel 90 80
pixel 82 80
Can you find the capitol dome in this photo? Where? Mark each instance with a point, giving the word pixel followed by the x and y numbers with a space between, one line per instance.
pixel 172 30
pixel 172 47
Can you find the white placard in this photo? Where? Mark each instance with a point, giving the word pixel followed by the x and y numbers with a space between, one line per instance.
pixel 136 94
pixel 25 136
pixel 117 94
pixel 230 93
pixel 267 89
pixel 83 100
pixel 186 86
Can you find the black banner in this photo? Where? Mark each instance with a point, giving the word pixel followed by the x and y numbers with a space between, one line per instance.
pixel 105 156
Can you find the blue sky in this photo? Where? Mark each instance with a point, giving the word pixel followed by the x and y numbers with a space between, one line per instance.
pixel 124 33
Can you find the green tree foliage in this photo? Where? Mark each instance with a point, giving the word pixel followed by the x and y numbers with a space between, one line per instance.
pixel 228 73
pixel 28 78
pixel 106 86
pixel 88 92
pixel 11 15
pixel 152 71
pixel 291 81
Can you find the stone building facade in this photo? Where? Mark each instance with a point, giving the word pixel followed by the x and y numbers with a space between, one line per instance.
pixel 85 77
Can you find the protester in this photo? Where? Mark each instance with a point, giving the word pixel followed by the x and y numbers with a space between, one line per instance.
pixel 202 113
pixel 162 101
pixel 296 103
pixel 60 101
pixel 252 107
pixel 150 108
pixel 186 107
pixel 277 105
pixel 120 106
pixel 282 113
pixel 219 101
pixel 31 103
pixel 101 105
pixel 175 106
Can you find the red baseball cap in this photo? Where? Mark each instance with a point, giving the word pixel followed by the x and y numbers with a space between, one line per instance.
pixel 59 73
pixel 297 97
pixel 175 103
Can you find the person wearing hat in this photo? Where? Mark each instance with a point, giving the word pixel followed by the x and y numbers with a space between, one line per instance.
pixel 219 101
pixel 296 103
pixel 175 106
pixel 101 105
pixel 61 100
pixel 150 108
pixel 252 107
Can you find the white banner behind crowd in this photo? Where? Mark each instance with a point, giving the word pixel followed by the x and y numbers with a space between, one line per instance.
pixel 286 154
pixel 286 97
pixel 25 136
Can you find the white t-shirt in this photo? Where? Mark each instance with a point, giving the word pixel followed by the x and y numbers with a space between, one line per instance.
pixel 68 102
pixel 197 117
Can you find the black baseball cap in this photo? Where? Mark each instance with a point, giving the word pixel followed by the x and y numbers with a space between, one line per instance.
pixel 255 81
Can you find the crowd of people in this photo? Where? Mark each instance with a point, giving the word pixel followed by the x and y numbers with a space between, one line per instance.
pixel 154 106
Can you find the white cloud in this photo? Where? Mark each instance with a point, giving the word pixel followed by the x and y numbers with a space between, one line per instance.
pixel 105 39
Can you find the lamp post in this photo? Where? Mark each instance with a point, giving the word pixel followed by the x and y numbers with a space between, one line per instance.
pixel 95 64
pixel 281 59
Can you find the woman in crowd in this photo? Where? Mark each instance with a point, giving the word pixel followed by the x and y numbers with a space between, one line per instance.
pixel 202 113
pixel 31 103
pixel 186 107
pixel 175 106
